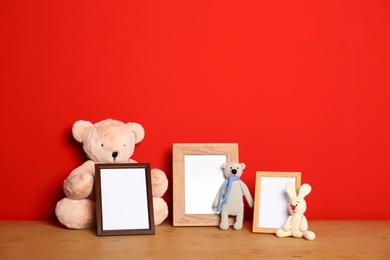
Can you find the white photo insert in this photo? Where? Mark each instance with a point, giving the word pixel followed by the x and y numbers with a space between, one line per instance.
pixel 203 178
pixel 124 199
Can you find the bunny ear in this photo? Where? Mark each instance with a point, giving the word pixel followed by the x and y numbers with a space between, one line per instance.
pixel 304 190
pixel 290 188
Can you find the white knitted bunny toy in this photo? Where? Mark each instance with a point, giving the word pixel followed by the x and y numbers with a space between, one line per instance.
pixel 296 224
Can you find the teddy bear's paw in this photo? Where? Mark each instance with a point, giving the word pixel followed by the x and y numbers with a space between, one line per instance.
pixel 78 186
pixel 159 182
pixel 76 214
pixel 160 208
pixel 224 226
pixel 237 226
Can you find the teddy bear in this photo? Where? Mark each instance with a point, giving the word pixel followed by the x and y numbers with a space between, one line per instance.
pixel 107 141
pixel 229 201
pixel 296 224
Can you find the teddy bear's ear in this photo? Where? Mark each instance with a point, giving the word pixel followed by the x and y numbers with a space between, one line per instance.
pixel 80 128
pixel 138 131
pixel 243 165
pixel 224 165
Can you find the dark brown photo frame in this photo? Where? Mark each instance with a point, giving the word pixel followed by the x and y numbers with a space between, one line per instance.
pixel 124 202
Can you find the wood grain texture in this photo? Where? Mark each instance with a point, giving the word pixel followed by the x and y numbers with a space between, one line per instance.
pixel 355 239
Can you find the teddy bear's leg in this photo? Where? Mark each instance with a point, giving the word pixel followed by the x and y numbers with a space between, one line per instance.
pixel 239 219
pixel 309 235
pixel 160 208
pixel 224 225
pixel 281 233
pixel 76 214
pixel 159 182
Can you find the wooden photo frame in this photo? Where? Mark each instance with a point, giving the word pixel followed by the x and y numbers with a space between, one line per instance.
pixel 271 200
pixel 197 177
pixel 124 203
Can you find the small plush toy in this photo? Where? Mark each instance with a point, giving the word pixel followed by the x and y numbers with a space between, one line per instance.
pixel 228 200
pixel 108 141
pixel 296 224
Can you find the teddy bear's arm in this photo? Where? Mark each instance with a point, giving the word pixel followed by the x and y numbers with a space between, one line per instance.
pixel 287 224
pixel 216 199
pixel 159 182
pixel 79 183
pixel 131 161
pixel 303 226
pixel 246 193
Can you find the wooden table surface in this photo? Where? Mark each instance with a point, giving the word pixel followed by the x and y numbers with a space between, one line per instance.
pixel 356 239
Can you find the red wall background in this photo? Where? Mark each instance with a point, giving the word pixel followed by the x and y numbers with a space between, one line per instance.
pixel 299 85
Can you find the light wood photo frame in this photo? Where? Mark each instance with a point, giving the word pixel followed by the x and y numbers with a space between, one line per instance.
pixel 197 177
pixel 271 200
pixel 124 203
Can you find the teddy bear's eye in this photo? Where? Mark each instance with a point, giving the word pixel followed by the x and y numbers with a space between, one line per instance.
pixel 102 145
pixel 124 145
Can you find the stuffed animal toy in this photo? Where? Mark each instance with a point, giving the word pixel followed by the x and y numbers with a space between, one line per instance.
pixel 296 224
pixel 108 141
pixel 229 201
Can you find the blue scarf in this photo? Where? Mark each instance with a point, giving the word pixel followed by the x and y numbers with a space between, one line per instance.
pixel 224 198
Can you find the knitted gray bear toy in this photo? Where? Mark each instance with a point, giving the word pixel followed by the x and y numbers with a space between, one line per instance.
pixel 229 201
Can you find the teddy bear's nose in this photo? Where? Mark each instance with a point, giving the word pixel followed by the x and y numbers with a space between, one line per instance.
pixel 234 171
pixel 114 154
